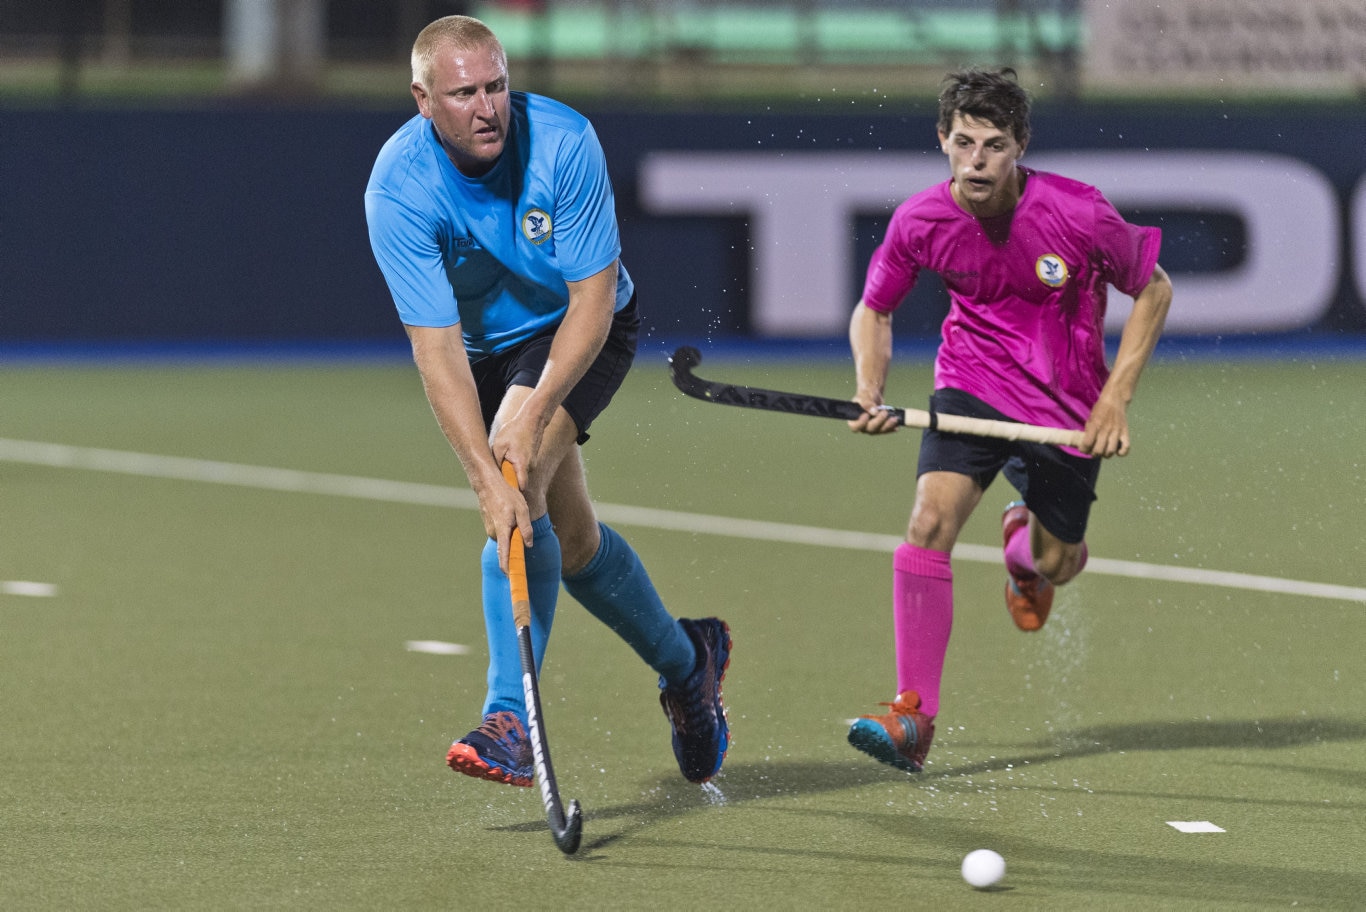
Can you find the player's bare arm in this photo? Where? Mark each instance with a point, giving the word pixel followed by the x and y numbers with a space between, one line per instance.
pixel 870 338
pixel 578 340
pixel 1107 429
pixel 439 352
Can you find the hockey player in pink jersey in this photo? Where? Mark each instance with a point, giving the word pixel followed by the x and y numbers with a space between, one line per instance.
pixel 1027 257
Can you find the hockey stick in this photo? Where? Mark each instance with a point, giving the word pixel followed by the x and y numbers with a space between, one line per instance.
pixel 687 357
pixel 566 829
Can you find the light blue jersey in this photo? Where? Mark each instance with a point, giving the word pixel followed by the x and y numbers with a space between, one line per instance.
pixel 493 253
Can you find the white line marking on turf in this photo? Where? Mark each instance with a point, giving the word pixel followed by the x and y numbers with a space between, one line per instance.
pixel 436 647
pixel 150 465
pixel 1195 826
pixel 24 587
pixel 56 455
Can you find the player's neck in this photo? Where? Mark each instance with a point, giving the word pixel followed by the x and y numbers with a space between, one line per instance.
pixel 467 165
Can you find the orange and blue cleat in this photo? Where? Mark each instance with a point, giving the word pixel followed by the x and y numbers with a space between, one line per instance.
pixel 900 738
pixel 1028 598
pixel 499 750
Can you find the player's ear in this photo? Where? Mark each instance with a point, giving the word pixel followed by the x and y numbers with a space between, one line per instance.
pixel 943 141
pixel 424 106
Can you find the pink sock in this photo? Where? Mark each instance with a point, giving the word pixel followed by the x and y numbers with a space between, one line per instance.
pixel 1019 557
pixel 922 615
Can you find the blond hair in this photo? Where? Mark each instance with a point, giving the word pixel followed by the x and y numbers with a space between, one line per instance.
pixel 464 33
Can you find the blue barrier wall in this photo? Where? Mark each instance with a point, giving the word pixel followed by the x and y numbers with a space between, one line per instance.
pixel 247 225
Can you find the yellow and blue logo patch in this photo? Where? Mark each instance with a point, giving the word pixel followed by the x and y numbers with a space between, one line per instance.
pixel 536 225
pixel 1051 270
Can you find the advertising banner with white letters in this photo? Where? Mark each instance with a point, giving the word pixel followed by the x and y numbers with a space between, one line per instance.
pixel 739 225
pixel 1264 223
pixel 803 202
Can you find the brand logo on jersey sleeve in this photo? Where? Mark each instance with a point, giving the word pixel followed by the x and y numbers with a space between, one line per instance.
pixel 1051 270
pixel 536 225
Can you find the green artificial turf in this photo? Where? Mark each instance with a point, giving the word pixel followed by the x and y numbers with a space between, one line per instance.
pixel 216 708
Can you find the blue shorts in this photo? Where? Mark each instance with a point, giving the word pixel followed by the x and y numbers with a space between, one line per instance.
pixel 522 365
pixel 1058 487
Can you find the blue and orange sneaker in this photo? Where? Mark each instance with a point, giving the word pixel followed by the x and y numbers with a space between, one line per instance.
pixel 701 735
pixel 900 738
pixel 499 750
pixel 1028 598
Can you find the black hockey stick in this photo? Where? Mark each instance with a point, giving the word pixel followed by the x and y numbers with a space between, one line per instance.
pixel 687 357
pixel 567 829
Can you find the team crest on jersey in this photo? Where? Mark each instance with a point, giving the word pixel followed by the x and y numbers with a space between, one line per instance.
pixel 1051 270
pixel 536 225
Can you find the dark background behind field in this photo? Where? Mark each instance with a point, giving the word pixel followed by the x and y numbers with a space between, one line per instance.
pixel 230 223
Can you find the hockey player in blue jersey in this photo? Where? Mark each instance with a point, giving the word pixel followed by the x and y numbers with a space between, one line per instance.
pixel 493 221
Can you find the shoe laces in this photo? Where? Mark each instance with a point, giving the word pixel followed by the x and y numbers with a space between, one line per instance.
pixel 904 706
pixel 503 728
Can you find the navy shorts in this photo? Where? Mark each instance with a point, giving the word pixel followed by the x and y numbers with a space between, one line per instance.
pixel 1058 487
pixel 521 365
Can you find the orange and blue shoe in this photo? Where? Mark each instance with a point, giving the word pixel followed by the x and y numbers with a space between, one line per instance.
pixel 701 735
pixel 900 738
pixel 1028 598
pixel 499 750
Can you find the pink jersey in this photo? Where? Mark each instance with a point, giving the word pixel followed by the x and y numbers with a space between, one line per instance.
pixel 1024 331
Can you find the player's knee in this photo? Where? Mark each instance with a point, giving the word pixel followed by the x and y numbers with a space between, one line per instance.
pixel 578 547
pixel 931 528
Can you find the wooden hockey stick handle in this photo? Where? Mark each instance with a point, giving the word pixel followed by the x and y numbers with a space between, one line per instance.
pixel 987 427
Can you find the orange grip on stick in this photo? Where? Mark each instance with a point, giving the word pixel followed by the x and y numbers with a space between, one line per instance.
pixel 521 597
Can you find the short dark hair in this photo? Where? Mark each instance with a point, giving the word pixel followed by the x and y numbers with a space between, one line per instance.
pixel 991 95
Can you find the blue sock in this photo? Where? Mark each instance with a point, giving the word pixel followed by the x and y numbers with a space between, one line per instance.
pixel 543 583
pixel 615 588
